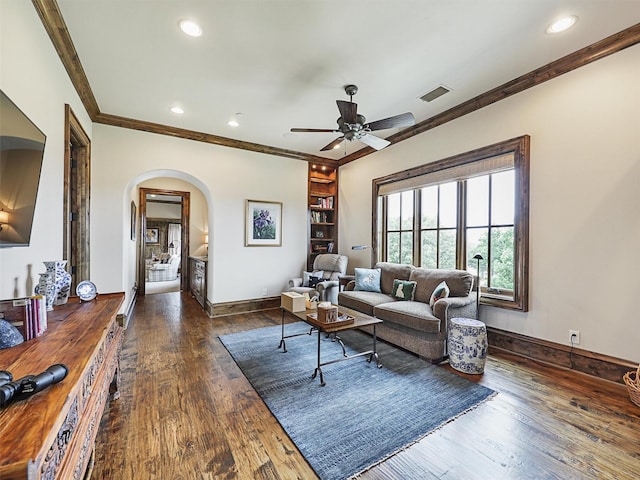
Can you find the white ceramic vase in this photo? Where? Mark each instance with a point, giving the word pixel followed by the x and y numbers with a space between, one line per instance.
pixel 62 280
pixel 46 288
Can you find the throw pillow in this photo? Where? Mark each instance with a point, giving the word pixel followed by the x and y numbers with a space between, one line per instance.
pixel 403 289
pixel 367 279
pixel 441 291
pixel 313 281
pixel 307 275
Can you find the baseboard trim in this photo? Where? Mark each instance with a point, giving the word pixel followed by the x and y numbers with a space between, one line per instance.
pixel 246 306
pixel 123 318
pixel 598 365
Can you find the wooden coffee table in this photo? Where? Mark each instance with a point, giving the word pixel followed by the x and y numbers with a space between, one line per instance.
pixel 359 320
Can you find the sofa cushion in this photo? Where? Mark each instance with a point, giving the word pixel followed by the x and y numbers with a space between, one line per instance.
pixel 403 289
pixel 367 279
pixel 459 282
pixel 441 291
pixel 363 301
pixel 415 315
pixel 390 272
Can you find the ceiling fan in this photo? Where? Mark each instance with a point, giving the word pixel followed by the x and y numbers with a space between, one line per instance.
pixel 353 126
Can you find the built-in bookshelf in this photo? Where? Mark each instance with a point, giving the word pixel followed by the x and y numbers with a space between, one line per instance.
pixel 323 211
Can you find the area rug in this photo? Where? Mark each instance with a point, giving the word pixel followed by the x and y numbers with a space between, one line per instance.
pixel 363 414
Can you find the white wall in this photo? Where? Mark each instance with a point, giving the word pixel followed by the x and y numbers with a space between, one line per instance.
pixel 585 173
pixel 227 178
pixel 33 77
pixel 585 196
pixel 170 211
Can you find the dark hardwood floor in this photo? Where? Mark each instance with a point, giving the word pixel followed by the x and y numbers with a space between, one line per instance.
pixel 187 412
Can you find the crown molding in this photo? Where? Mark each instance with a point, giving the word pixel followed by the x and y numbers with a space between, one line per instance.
pixel 603 48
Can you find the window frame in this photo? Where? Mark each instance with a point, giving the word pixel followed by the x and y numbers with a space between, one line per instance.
pixel 519 147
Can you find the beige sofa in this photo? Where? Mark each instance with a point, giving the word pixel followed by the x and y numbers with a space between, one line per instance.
pixel 414 325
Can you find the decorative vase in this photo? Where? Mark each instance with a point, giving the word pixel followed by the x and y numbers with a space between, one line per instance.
pixel 61 280
pixel 47 288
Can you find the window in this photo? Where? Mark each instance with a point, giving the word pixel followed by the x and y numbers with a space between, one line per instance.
pixel 400 227
pixel 439 225
pixel 442 214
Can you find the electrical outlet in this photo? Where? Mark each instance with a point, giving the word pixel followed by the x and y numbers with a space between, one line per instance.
pixel 574 337
pixel 264 292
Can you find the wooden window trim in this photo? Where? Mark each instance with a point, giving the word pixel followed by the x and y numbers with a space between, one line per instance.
pixel 520 148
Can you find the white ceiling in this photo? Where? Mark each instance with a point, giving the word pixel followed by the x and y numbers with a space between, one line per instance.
pixel 283 63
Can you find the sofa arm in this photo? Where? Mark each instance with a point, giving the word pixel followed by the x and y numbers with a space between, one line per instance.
pixel 446 308
pixel 328 290
pixel 295 282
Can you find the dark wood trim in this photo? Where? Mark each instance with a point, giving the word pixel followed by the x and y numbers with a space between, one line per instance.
pixel 160 129
pixel 245 306
pixel 56 28
pixel 76 243
pixel 597 365
pixel 520 147
pixel 610 45
pixel 184 220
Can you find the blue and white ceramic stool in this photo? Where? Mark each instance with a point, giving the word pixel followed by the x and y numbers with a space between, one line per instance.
pixel 467 341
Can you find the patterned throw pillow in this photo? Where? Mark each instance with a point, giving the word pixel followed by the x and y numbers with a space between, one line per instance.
pixel 367 279
pixel 313 281
pixel 403 290
pixel 307 275
pixel 441 291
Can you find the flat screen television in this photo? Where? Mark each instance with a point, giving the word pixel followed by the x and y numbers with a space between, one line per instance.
pixel 21 154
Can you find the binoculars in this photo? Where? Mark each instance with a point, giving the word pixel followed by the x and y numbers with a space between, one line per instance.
pixel 31 384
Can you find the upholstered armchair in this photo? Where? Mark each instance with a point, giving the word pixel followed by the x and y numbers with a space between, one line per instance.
pixel 327 267
pixel 162 272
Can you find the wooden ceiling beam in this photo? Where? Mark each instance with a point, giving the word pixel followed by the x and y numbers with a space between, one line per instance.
pixel 615 43
pixel 54 23
pixel 124 122
pixel 56 28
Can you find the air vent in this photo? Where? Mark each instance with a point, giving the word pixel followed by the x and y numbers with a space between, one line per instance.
pixel 435 93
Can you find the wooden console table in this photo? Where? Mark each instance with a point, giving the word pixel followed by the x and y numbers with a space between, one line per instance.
pixel 51 434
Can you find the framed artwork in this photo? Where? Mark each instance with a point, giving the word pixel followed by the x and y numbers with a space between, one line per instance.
pixel 133 220
pixel 263 224
pixel 151 235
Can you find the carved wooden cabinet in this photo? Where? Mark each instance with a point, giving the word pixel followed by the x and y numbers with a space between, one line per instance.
pixel 198 279
pixel 51 434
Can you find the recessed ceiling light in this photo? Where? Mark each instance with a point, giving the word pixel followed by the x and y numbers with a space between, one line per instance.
pixel 177 110
pixel 191 28
pixel 562 24
pixel 235 120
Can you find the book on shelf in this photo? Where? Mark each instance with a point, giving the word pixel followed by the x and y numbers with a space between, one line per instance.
pixel 28 315
pixel 319 217
pixel 324 202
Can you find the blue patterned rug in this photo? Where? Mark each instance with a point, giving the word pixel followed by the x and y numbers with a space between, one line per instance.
pixel 364 414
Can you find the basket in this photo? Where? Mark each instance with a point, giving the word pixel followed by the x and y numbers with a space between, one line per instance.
pixel 632 381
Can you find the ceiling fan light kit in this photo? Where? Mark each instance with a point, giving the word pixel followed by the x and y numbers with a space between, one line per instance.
pixel 354 126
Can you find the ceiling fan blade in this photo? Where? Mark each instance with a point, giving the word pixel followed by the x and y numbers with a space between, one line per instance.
pixel 374 142
pixel 348 111
pixel 307 130
pixel 402 120
pixel 332 145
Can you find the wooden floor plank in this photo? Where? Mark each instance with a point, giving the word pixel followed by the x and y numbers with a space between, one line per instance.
pixel 186 412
